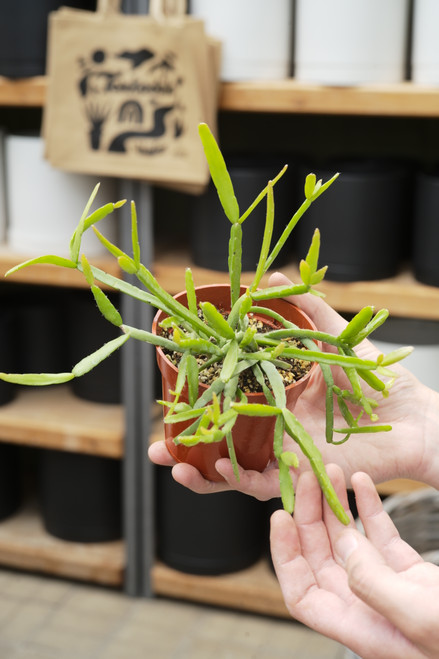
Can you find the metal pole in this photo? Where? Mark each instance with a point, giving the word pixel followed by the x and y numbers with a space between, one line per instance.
pixel 137 387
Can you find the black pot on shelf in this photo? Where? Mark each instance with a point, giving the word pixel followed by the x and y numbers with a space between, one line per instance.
pixel 363 220
pixel 210 228
pixel 206 535
pixel 8 349
pixel 426 228
pixel 41 330
pixel 23 34
pixel 10 480
pixel 81 496
pixel 89 331
pixel 172 216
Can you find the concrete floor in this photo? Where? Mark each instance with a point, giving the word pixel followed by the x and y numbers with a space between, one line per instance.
pixel 46 618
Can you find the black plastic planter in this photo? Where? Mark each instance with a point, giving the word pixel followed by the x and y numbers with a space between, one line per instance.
pixel 89 331
pixel 81 496
pixel 23 34
pixel 10 480
pixel 8 359
pixel 206 535
pixel 426 229
pixel 363 219
pixel 41 331
pixel 211 230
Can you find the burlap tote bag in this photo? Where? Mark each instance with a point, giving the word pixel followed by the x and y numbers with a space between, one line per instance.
pixel 126 94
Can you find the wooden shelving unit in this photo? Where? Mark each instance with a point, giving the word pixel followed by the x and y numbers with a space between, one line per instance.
pixel 288 96
pixel 23 92
pixel 255 589
pixel 49 275
pixel 25 544
pixel 56 419
pixel 402 295
pixel 53 417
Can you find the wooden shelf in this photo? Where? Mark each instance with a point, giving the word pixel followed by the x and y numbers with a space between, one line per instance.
pixel 402 295
pixel 50 275
pixel 404 99
pixel 25 544
pixel 255 589
pixel 53 417
pixel 23 92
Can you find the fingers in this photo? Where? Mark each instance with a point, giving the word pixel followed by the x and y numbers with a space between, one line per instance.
pixel 262 486
pixel 295 577
pixel 375 583
pixel 250 482
pixel 379 527
pixel 317 524
pixel 306 601
pixel 338 481
pixel 190 477
pixel 159 454
pixel 184 474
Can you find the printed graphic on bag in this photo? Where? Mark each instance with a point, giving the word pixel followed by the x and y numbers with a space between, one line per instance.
pixel 126 94
pixel 151 118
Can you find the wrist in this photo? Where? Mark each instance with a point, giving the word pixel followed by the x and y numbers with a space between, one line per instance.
pixel 426 459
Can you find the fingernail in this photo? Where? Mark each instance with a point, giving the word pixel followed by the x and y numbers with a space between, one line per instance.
pixel 345 544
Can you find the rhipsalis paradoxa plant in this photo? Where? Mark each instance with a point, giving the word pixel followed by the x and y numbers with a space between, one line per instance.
pixel 203 335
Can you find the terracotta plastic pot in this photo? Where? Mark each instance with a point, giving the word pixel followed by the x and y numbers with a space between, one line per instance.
pixel 252 436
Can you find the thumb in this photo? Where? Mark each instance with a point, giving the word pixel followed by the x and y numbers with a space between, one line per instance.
pixel 371 579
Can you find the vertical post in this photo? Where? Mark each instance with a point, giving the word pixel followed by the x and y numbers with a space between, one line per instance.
pixel 137 387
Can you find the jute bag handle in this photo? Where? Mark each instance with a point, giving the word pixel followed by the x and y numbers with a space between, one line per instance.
pixel 161 9
pixel 109 6
pixel 158 9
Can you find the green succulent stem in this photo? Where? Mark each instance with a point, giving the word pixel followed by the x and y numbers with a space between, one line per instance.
pixel 201 337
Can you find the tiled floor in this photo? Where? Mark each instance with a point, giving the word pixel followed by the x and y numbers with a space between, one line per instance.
pixel 45 618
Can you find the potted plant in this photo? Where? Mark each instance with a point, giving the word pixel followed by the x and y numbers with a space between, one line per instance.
pixel 236 355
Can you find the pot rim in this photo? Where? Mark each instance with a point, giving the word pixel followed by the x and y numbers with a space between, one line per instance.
pixel 203 386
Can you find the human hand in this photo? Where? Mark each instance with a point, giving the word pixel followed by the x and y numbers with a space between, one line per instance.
pixel 412 409
pixel 374 595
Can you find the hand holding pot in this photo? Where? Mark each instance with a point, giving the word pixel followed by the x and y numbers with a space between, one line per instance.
pixel 375 595
pixel 408 451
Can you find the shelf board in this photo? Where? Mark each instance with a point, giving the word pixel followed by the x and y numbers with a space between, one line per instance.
pixel 255 589
pixel 53 417
pixel 50 275
pixel 405 99
pixel 402 294
pixel 25 544
pixel 23 92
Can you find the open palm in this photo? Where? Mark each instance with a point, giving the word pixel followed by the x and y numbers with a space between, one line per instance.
pixel 375 595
